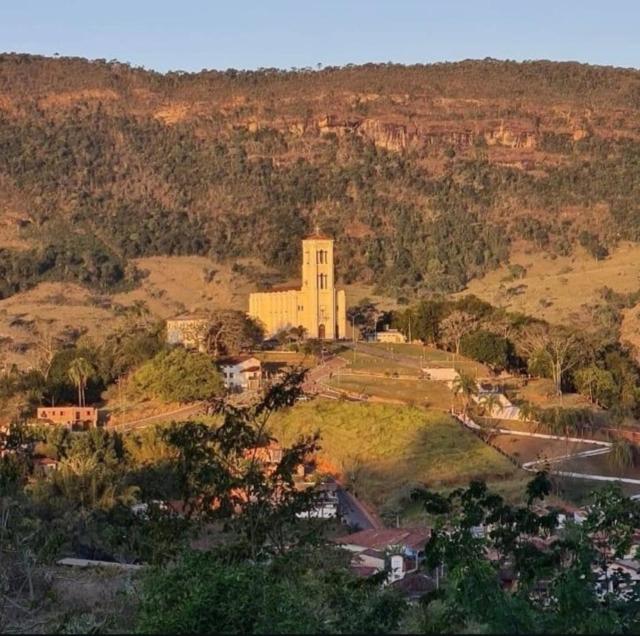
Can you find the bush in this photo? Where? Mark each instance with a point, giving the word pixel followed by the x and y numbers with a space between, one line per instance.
pixel 179 375
pixel 307 591
pixel 488 348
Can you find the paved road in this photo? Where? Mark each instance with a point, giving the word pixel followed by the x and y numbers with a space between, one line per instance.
pixel 314 382
pixel 180 413
pixel 603 448
pixel 354 512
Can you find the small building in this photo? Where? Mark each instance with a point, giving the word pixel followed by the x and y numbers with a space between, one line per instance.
pixel 391 336
pixel 242 373
pixel 68 416
pixel 398 551
pixel 326 506
pixel 268 456
pixel 188 330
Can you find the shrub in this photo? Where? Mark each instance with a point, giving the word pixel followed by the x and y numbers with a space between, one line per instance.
pixel 178 375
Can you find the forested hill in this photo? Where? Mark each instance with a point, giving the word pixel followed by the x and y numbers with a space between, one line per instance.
pixel 424 173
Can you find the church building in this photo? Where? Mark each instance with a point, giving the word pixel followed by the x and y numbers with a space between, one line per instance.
pixel 317 305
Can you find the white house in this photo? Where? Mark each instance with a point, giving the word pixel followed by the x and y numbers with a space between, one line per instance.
pixel 241 373
pixel 326 506
pixel 398 551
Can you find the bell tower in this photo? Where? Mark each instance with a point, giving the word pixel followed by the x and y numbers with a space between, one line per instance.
pixel 318 286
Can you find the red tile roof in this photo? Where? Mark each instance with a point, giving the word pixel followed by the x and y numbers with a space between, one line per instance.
pixel 414 538
pixel 234 360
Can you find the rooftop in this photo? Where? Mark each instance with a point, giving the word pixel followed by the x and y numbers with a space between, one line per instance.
pixel 414 585
pixel 283 288
pixel 414 538
pixel 235 360
pixel 317 236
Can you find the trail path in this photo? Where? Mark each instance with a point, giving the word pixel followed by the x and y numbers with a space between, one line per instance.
pixel 183 411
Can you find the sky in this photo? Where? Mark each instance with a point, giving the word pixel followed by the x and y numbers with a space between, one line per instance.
pixel 190 35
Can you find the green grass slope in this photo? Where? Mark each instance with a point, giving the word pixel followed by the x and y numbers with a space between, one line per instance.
pixel 380 449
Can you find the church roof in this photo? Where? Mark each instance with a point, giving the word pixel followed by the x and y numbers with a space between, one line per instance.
pixel 318 236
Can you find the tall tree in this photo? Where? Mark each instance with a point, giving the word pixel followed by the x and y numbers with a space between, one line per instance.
pixel 455 326
pixel 563 576
pixel 230 331
pixel 79 372
pixel 466 387
pixel 552 350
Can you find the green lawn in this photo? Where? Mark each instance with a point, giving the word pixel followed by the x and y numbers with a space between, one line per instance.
pixel 431 356
pixel 364 362
pixel 381 450
pixel 428 393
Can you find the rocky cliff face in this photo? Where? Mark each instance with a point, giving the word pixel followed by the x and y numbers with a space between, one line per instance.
pixel 497 105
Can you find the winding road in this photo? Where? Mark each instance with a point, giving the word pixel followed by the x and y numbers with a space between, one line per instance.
pixel 603 448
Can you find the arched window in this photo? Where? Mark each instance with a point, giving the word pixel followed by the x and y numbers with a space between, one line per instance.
pixel 323 281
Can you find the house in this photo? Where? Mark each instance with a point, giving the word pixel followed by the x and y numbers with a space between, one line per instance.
pixel 620 577
pixel 268 456
pixel 398 551
pixel 242 373
pixel 68 416
pixel 316 305
pixel 391 336
pixel 326 506
pixel 188 330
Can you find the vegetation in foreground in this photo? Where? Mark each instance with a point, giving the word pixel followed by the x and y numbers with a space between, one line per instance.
pixel 239 559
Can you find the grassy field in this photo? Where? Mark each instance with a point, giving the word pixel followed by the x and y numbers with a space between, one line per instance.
pixel 359 361
pixel 541 393
pixel 381 449
pixel 558 289
pixel 430 356
pixel 419 392
pixel 172 285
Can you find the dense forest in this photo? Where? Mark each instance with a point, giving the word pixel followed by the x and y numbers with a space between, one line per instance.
pixel 424 174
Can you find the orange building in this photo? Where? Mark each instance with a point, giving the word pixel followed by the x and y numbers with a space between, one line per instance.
pixel 69 415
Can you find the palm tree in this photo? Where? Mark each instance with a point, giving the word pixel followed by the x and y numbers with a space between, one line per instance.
pixel 465 385
pixel 490 403
pixel 621 455
pixel 528 412
pixel 80 370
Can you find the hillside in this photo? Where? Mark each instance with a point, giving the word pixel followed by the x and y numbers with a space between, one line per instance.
pixel 427 175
